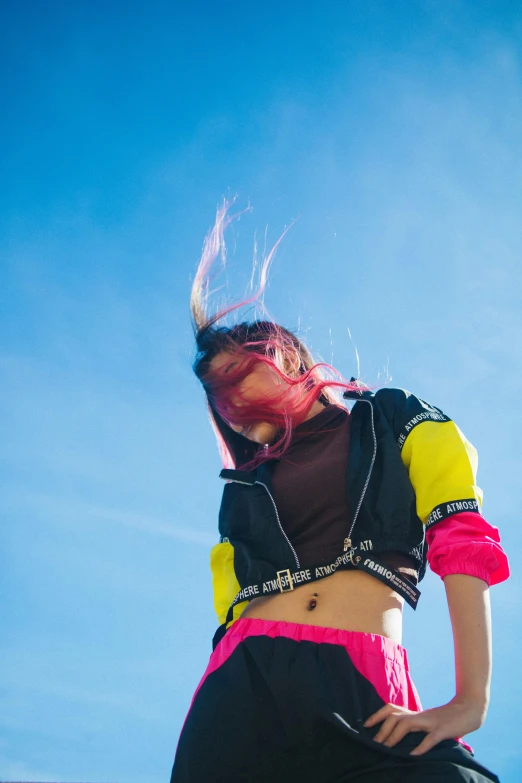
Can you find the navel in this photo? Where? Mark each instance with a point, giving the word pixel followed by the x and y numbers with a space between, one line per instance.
pixel 312 603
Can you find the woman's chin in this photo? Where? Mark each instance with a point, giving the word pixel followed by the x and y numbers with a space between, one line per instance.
pixel 260 433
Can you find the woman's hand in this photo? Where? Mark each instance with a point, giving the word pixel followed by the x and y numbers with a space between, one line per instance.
pixel 452 721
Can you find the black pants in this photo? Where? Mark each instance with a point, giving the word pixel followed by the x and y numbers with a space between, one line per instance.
pixel 282 702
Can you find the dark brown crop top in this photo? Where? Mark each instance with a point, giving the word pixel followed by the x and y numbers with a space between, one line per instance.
pixel 309 485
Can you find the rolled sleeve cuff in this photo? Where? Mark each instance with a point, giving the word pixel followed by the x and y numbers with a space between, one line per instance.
pixel 465 567
pixel 466 544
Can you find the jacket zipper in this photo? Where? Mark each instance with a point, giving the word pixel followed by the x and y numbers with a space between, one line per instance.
pixel 279 523
pixel 348 539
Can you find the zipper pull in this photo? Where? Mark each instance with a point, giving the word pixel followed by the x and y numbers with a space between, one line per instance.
pixel 347 544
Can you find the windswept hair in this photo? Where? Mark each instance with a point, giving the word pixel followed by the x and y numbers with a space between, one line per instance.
pixel 248 344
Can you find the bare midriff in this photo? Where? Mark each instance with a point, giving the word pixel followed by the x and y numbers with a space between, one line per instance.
pixel 349 600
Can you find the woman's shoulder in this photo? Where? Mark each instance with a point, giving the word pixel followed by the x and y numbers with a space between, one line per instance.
pixel 397 399
pixel 391 393
pixel 386 397
pixel 403 409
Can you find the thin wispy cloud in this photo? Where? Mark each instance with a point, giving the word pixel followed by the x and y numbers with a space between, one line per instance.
pixel 75 512
pixel 11 770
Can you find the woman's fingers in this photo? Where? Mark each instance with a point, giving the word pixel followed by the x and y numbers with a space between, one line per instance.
pixel 383 713
pixel 429 742
pixel 395 728
pixel 387 728
pixel 447 722
pixel 401 728
pixel 378 716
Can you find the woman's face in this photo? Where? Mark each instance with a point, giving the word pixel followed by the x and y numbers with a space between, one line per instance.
pixel 261 383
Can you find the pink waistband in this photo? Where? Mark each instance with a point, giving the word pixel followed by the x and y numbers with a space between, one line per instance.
pixel 355 642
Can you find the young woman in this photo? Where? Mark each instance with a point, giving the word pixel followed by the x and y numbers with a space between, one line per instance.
pixel 330 513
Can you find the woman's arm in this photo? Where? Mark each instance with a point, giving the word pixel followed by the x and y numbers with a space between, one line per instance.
pixel 468 602
pixel 470 612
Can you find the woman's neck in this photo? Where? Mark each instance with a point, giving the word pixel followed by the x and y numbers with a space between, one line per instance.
pixel 316 408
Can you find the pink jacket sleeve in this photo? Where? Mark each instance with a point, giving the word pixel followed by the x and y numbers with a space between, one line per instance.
pixel 466 544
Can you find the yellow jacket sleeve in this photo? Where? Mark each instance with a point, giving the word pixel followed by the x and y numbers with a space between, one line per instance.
pixel 441 462
pixel 224 581
pixel 442 466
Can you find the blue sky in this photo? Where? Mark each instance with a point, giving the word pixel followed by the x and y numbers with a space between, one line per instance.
pixel 392 131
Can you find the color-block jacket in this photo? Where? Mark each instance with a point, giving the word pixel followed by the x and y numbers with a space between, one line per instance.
pixel 409 467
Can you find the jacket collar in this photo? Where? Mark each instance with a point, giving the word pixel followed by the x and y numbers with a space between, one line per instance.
pixel 363 394
pixel 262 473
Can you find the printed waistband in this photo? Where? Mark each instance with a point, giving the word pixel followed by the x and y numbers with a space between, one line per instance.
pixel 287 579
